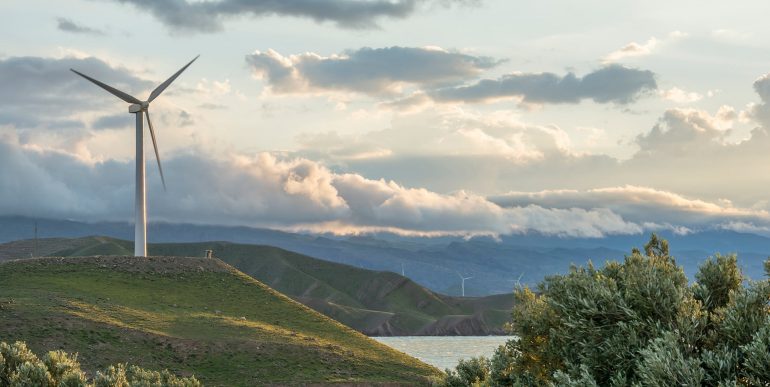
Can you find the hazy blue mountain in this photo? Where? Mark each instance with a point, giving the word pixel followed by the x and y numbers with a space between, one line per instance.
pixel 495 265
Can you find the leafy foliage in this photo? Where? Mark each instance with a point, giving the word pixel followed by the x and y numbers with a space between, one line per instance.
pixel 717 278
pixel 19 367
pixel 639 323
pixel 470 372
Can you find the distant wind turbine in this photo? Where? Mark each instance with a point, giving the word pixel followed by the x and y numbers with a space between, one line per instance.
pixel 140 109
pixel 518 280
pixel 462 284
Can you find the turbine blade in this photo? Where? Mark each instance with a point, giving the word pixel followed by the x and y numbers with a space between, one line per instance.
pixel 155 93
pixel 124 96
pixel 155 146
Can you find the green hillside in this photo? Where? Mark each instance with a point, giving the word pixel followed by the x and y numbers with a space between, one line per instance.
pixel 372 302
pixel 190 315
pixel 376 303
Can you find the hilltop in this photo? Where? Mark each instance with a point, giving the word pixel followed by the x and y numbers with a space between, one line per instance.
pixel 376 303
pixel 190 315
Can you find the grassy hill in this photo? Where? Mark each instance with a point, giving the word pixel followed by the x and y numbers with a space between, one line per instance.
pixel 373 302
pixel 190 315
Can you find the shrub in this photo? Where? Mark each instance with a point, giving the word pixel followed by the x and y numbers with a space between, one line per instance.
pixel 638 322
pixel 717 278
pixel 470 372
pixel 140 377
pixel 19 367
pixel 13 356
pixel 65 369
pixel 29 374
pixel 756 368
pixel 113 376
pixel 663 363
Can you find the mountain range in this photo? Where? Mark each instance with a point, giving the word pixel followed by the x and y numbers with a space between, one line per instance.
pixel 496 264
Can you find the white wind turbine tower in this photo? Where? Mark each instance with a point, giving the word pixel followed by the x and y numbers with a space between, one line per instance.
pixel 462 284
pixel 517 281
pixel 140 109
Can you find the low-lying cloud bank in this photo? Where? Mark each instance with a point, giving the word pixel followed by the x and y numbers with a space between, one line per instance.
pixel 264 190
pixel 646 206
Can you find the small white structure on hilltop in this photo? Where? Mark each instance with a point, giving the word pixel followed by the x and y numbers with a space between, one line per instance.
pixel 141 109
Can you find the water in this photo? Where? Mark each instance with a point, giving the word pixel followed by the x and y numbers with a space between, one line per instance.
pixel 445 351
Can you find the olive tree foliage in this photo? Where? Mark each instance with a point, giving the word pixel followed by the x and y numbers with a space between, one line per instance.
pixel 20 367
pixel 639 323
pixel 472 372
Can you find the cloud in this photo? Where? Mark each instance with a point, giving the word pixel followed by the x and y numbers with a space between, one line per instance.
pixel 295 193
pixel 453 133
pixel 268 191
pixel 680 131
pixel 612 83
pixel 635 49
pixel 208 16
pixel 688 151
pixel 678 95
pixel 642 205
pixel 212 106
pixel 632 49
pixel 114 121
pixel 43 92
pixel 761 112
pixel 414 77
pixel 373 71
pixel 67 25
pixel 341 148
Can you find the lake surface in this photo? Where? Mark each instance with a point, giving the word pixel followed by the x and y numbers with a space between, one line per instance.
pixel 445 351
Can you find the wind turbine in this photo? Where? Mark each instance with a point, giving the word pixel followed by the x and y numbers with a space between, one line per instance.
pixel 462 284
pixel 517 281
pixel 140 109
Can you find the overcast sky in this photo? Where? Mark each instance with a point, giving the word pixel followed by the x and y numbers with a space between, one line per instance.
pixel 427 117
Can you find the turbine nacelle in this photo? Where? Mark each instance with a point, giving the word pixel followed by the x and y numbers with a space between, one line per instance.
pixel 138 107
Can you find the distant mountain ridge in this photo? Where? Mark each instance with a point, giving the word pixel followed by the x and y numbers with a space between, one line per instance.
pixel 372 302
pixel 495 264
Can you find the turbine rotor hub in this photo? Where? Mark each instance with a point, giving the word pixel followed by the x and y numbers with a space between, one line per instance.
pixel 138 107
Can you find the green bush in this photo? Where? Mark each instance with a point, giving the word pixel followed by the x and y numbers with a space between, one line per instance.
pixel 30 374
pixel 663 363
pixel 65 369
pixel 472 372
pixel 637 323
pixel 717 278
pixel 756 364
pixel 19 367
